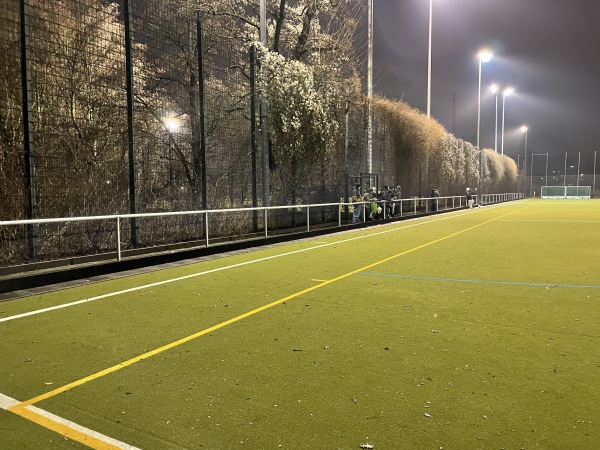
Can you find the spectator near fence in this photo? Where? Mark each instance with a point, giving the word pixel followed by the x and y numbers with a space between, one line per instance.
pixel 435 193
pixel 356 199
pixel 469 198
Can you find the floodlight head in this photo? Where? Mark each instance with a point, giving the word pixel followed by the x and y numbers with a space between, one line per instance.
pixel 508 91
pixel 485 56
pixel 524 128
pixel 494 88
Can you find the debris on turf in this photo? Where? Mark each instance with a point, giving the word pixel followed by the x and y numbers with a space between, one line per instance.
pixel 365 446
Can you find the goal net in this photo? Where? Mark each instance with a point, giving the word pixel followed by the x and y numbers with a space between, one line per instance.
pixel 566 191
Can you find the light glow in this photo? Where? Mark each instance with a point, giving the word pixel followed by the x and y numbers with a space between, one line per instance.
pixel 172 124
pixel 485 56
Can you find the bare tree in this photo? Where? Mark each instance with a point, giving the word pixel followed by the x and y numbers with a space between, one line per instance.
pixel 77 79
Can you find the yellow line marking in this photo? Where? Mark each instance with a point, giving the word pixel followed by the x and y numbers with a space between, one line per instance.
pixel 189 338
pixel 62 429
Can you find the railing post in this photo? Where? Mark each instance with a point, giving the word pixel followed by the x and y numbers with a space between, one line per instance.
pixel 118 238
pixel 307 217
pixel 206 228
pixel 340 215
pixel 266 222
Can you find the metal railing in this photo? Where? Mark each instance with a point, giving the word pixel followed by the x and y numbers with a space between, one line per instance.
pixel 298 218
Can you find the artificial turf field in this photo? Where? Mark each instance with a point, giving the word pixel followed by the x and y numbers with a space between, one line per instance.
pixel 478 329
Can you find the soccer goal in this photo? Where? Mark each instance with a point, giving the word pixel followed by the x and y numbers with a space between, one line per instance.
pixel 566 191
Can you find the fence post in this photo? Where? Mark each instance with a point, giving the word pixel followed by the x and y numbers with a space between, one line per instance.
pixel 201 115
pixel 130 120
pixel 253 132
pixel 29 146
pixel 307 217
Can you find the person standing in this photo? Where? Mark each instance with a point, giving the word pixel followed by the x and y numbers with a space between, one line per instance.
pixel 358 206
pixel 469 198
pixel 434 199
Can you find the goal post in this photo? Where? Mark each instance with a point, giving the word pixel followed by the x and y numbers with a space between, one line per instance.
pixel 566 192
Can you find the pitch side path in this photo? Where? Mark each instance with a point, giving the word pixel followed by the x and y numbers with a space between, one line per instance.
pixel 477 329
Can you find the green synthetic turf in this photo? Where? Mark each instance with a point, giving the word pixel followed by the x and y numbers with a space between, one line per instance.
pixel 473 332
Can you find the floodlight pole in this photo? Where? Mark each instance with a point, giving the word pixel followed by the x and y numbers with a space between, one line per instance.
pixel 480 59
pixel 565 175
pixel 531 177
pixel 578 165
pixel 507 91
pixel 266 167
pixel 496 125
pixel 370 90
pixel 479 103
pixel 503 105
pixel 594 185
pixel 546 169
pixel 526 131
pixel 263 22
pixel 429 61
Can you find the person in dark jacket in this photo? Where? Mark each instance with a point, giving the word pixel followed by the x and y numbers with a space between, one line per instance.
pixel 469 198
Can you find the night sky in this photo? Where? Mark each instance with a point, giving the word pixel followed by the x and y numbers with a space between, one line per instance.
pixel 548 50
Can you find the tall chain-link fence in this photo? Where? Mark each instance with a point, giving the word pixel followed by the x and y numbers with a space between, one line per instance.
pixel 132 107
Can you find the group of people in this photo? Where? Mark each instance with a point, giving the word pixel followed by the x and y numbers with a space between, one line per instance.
pixel 378 204
pixel 471 194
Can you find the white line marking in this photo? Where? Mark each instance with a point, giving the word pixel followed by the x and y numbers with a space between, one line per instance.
pixel 233 266
pixel 7 402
